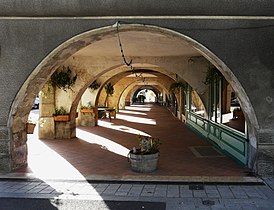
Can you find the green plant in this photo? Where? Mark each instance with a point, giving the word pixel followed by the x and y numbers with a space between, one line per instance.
pixel 147 145
pixel 94 85
pixel 60 111
pixel 89 106
pixel 176 86
pixel 31 121
pixel 212 74
pixel 63 79
pixel 109 89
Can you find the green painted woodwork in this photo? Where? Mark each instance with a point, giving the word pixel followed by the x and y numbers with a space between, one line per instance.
pixel 228 140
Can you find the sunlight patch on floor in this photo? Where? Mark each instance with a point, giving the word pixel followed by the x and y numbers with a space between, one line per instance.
pixel 131 112
pixel 46 163
pixel 140 108
pixel 104 142
pixel 121 128
pixel 136 119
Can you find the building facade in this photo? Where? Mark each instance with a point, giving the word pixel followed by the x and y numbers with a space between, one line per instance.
pixel 174 40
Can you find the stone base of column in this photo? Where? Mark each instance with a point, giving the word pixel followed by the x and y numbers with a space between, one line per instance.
pixel 19 157
pixel 265 160
pixel 86 119
pixel 46 128
pixel 64 130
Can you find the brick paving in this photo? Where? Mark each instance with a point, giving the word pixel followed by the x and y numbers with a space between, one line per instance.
pixel 102 150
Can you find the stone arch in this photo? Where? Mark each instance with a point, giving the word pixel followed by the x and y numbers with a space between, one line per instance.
pixel 23 101
pixel 131 88
pixel 153 88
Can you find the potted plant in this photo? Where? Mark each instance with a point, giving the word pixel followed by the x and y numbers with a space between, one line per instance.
pixel 176 86
pixel 94 86
pixel 212 75
pixel 145 157
pixel 63 78
pixel 87 109
pixel 237 113
pixel 109 91
pixel 30 126
pixel 61 114
pixel 111 112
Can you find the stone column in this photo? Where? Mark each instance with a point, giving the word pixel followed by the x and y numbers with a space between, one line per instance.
pixel 265 152
pixel 5 153
pixel 86 119
pixel 46 109
pixel 13 146
pixel 65 130
pixel 17 137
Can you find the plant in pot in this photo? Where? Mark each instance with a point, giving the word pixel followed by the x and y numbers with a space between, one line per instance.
pixel 145 157
pixel 176 86
pixel 212 75
pixel 63 78
pixel 94 86
pixel 87 109
pixel 109 91
pixel 61 114
pixel 30 126
pixel 237 113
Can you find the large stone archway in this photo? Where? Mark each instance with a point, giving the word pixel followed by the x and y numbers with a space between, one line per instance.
pixel 23 102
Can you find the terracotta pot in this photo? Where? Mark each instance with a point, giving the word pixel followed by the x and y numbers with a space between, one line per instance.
pixel 61 118
pixel 87 110
pixel 112 114
pixel 30 128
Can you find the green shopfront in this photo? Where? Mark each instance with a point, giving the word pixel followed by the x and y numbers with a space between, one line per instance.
pixel 219 118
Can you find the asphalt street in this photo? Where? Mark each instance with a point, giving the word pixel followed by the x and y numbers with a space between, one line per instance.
pixel 69 204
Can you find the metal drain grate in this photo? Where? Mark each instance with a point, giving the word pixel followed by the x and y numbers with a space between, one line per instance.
pixel 196 187
pixel 208 202
pixel 205 151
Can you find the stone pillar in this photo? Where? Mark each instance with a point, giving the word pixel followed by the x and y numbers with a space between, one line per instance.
pixel 65 130
pixel 18 141
pixel 164 98
pixel 5 153
pixel 13 146
pixel 180 98
pixel 19 153
pixel 265 152
pixel 46 109
pixel 86 119
pixel 226 97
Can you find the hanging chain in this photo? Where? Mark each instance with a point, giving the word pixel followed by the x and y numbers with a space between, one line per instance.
pixel 121 49
pixel 123 55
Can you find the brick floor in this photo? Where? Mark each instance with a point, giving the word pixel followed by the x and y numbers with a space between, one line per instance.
pixel 102 150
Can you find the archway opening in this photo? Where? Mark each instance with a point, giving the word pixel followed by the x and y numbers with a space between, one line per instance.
pixel 167 59
pixel 145 95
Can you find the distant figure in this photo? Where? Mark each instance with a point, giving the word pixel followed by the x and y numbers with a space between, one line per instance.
pixel 141 98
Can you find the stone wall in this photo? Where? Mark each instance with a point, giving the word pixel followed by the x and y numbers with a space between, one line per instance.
pixel 80 8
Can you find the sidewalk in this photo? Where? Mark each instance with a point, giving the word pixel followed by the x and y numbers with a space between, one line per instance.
pixel 174 196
